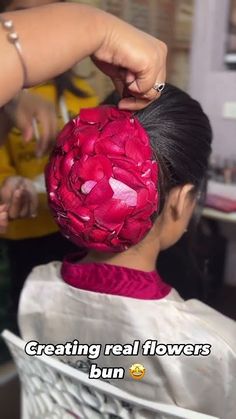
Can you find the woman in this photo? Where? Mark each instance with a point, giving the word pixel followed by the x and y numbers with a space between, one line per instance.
pixel 124 186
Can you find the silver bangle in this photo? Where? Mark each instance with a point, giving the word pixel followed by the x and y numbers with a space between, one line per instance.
pixel 13 38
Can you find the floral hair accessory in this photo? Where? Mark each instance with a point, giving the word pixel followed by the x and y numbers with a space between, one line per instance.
pixel 102 181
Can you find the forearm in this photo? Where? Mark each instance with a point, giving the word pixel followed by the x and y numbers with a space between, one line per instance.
pixel 70 32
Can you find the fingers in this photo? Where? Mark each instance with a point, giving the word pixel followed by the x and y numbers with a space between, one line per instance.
pixel 31 108
pixel 33 201
pixel 33 207
pixel 135 101
pixel 23 204
pixel 20 200
pixel 17 203
pixel 27 132
pixel 8 187
pixel 119 86
pixel 138 87
pixel 21 197
pixel 137 58
pixel 141 83
pixel 3 218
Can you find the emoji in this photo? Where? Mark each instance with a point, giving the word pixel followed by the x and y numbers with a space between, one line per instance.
pixel 137 371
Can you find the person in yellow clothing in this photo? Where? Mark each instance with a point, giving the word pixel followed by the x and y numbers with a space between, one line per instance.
pixel 35 240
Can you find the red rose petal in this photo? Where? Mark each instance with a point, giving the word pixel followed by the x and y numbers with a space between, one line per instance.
pixel 68 162
pixel 115 113
pixel 75 223
pixel 98 235
pixel 100 193
pixel 51 180
pixel 112 214
pixel 108 147
pixel 88 136
pixel 124 163
pixel 94 168
pixel 65 137
pixel 136 150
pixel 95 115
pixel 118 131
pixel 130 179
pixel 69 200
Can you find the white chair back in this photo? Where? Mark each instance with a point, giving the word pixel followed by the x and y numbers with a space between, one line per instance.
pixel 54 390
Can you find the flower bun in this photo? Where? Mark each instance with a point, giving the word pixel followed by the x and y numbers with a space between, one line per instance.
pixel 102 180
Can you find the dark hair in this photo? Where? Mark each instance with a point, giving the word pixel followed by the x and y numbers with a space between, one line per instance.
pixel 65 82
pixel 3 5
pixel 180 135
pixel 6 3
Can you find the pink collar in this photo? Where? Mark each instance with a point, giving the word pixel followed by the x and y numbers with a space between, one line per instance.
pixel 115 280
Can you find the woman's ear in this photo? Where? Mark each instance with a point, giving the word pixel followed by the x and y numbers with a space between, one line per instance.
pixel 180 200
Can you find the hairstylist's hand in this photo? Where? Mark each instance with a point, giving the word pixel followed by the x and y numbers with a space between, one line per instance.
pixel 134 60
pixel 28 107
pixel 21 197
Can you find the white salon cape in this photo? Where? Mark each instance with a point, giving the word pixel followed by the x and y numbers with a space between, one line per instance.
pixel 51 311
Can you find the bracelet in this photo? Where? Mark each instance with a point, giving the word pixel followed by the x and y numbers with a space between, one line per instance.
pixel 13 38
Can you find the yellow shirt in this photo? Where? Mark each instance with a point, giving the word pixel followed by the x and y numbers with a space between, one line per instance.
pixel 18 158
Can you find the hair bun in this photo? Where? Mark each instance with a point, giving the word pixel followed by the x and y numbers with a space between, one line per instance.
pixel 102 180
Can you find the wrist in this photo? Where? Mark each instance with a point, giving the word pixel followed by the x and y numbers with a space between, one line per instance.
pixel 95 23
pixel 105 28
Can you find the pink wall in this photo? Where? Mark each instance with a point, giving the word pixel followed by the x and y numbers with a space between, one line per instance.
pixel 210 81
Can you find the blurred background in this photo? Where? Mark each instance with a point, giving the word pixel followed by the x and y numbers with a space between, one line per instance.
pixel 201 37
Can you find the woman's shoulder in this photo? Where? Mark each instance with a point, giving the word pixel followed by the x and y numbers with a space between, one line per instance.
pixel 214 322
pixel 45 273
pixel 198 310
pixel 191 318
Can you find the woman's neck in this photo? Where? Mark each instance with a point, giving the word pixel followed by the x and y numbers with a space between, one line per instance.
pixel 142 257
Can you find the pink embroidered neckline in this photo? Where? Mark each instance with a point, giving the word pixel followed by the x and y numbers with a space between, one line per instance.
pixel 114 280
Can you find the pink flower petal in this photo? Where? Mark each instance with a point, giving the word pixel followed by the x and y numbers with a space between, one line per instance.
pixel 123 192
pixel 88 186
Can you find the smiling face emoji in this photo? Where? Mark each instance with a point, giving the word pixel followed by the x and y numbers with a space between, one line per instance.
pixel 137 371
